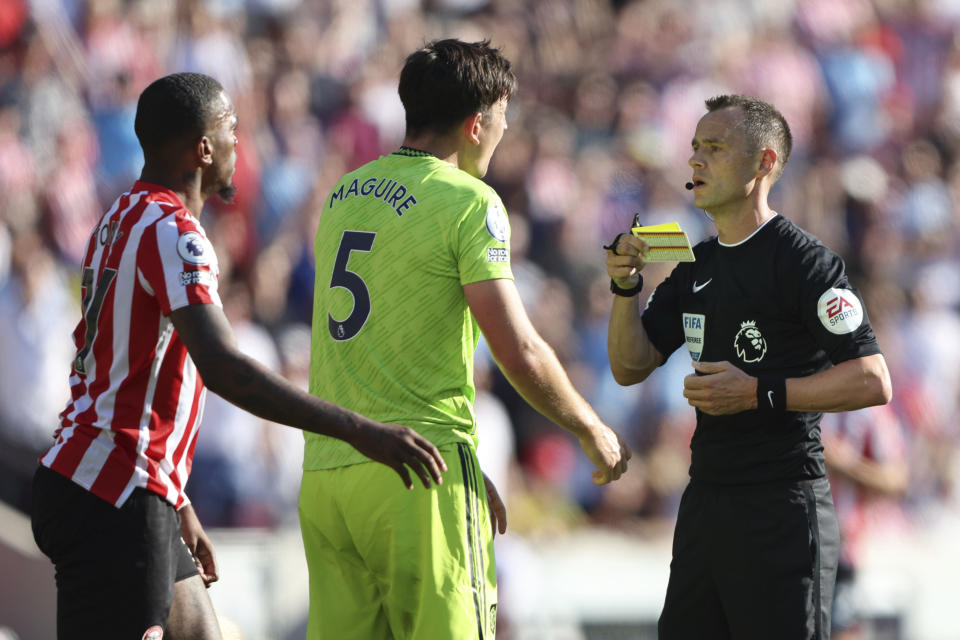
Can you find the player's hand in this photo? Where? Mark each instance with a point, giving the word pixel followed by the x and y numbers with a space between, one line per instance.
pixel 720 389
pixel 399 448
pixel 608 452
pixel 840 455
pixel 199 544
pixel 498 511
pixel 625 260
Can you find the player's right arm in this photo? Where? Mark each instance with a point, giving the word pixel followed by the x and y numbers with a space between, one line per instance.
pixel 532 368
pixel 239 379
pixel 632 355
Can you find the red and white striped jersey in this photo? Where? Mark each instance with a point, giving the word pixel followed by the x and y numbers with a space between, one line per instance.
pixel 136 395
pixel 874 434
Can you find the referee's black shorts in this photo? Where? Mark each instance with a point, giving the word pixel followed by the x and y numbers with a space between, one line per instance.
pixel 115 568
pixel 752 563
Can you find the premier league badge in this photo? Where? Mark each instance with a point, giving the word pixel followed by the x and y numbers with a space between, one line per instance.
pixel 749 343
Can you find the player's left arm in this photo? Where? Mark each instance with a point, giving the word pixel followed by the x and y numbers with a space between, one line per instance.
pixel 720 388
pixel 852 384
pixel 199 544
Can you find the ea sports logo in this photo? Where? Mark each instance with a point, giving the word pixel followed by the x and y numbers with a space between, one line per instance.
pixel 839 311
pixel 749 343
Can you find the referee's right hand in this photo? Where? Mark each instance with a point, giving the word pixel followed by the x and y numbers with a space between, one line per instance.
pixel 399 448
pixel 625 259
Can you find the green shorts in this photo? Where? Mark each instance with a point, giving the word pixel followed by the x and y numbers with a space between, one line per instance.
pixel 386 562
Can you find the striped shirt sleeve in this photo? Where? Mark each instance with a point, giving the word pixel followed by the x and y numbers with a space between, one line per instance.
pixel 179 266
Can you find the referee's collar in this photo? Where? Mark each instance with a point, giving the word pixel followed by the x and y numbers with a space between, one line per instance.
pixel 755 232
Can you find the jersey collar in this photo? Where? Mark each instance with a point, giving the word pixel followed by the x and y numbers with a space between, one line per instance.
pixel 412 153
pixel 158 189
pixel 755 232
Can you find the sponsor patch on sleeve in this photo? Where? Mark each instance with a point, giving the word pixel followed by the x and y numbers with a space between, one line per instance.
pixel 840 311
pixel 196 277
pixel 497 224
pixel 497 254
pixel 193 248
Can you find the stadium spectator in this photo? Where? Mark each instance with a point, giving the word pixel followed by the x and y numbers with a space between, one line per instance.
pixel 37 312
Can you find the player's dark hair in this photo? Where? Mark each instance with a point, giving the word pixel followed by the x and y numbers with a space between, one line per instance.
pixel 763 124
pixel 447 80
pixel 174 107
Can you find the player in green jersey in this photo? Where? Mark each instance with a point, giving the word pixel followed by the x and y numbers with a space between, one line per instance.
pixel 412 258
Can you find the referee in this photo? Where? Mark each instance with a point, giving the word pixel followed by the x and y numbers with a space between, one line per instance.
pixel 776 336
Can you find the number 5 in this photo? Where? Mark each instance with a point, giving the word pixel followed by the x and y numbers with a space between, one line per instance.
pixel 343 278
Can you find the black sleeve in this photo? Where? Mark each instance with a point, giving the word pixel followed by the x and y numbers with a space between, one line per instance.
pixel 661 318
pixel 831 309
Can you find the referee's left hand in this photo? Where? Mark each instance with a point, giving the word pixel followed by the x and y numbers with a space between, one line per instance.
pixel 719 388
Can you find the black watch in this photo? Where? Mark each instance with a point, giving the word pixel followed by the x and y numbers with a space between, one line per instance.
pixel 626 293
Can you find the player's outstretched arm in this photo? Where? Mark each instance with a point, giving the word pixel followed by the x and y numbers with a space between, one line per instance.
pixel 632 356
pixel 532 368
pixel 239 379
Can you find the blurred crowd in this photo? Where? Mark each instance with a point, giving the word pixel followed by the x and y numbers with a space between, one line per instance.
pixel 610 93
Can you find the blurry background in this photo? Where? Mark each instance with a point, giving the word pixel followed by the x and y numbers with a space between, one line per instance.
pixel 610 93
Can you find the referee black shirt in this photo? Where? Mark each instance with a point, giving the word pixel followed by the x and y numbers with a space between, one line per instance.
pixel 776 303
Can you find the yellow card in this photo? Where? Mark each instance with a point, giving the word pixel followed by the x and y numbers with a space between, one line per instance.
pixel 667 243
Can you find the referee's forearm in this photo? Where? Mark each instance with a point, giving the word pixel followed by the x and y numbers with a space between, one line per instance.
pixel 631 354
pixel 847 386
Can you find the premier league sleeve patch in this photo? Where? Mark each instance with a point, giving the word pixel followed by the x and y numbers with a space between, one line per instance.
pixel 193 248
pixel 497 224
pixel 840 311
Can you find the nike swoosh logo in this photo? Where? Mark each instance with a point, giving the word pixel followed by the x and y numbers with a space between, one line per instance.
pixel 697 287
pixel 770 398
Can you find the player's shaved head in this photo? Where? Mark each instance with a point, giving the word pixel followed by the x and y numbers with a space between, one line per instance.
pixel 176 107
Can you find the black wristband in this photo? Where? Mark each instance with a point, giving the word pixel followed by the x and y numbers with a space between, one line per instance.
pixel 771 394
pixel 627 293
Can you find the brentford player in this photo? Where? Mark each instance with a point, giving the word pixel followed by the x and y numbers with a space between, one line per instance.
pixel 109 507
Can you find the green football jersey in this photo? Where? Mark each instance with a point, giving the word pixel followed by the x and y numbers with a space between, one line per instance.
pixel 393 337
